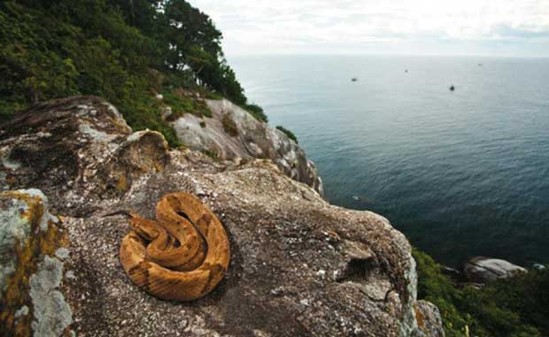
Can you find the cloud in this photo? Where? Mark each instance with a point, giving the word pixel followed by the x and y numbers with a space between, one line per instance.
pixel 286 26
pixel 506 31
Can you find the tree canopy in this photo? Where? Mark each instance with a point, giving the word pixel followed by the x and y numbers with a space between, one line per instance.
pixel 124 50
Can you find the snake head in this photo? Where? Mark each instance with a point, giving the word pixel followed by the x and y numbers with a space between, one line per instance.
pixel 146 229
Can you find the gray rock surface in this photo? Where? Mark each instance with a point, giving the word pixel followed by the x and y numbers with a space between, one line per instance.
pixel 484 269
pixel 428 319
pixel 299 266
pixel 52 315
pixel 255 139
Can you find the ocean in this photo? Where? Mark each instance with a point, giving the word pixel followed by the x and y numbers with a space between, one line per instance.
pixel 462 173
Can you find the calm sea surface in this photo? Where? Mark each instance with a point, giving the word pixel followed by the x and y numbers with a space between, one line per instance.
pixel 461 173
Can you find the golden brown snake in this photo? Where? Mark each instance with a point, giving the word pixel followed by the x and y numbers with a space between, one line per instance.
pixel 182 255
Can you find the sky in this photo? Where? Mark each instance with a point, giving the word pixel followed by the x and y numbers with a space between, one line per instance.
pixel 428 27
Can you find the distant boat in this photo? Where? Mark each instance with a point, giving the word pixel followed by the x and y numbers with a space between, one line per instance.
pixel 452 88
pixel 406 70
pixel 354 79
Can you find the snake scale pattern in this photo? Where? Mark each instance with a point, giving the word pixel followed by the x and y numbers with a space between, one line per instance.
pixel 180 256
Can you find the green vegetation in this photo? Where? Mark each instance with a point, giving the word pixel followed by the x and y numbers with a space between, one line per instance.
pixel 256 111
pixel 181 103
pixel 229 125
pixel 288 133
pixel 211 154
pixel 126 51
pixel 516 307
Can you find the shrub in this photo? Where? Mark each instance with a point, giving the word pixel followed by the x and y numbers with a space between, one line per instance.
pixel 210 154
pixel 514 307
pixel 257 112
pixel 437 288
pixel 288 133
pixel 182 104
pixel 229 125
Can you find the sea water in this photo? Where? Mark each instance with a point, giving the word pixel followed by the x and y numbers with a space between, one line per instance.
pixel 461 173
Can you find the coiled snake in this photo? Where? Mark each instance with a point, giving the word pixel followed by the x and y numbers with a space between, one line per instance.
pixel 182 255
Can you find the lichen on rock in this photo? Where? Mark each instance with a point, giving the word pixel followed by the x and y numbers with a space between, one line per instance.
pixel 28 236
pixel 14 232
pixel 52 314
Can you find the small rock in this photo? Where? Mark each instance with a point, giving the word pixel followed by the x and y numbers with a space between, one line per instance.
pixel 70 275
pixel 23 311
pixel 538 266
pixel 484 269
pixel 62 253
pixel 429 320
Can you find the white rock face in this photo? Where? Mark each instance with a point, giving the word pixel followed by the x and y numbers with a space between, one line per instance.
pixel 484 269
pixel 255 139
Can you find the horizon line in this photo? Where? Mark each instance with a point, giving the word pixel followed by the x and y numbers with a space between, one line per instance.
pixel 482 55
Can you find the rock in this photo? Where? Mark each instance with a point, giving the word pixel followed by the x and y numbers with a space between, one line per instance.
pixel 254 139
pixel 538 266
pixel 52 314
pixel 59 146
pixel 299 266
pixel 484 269
pixel 166 112
pixel 428 319
pixel 453 273
pixel 30 271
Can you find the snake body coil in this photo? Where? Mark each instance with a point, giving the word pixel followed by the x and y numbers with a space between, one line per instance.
pixel 182 255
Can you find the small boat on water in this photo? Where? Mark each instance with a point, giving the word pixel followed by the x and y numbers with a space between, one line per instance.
pixel 354 79
pixel 452 88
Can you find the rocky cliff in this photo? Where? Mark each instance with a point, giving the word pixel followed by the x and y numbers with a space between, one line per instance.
pixel 231 133
pixel 299 266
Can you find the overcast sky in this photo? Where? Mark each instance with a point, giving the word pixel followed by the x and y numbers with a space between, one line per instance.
pixel 478 27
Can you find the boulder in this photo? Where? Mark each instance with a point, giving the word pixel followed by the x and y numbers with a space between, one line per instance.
pixel 299 266
pixel 484 269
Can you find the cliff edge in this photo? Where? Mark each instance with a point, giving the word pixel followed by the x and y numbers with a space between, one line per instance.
pixel 231 133
pixel 299 267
